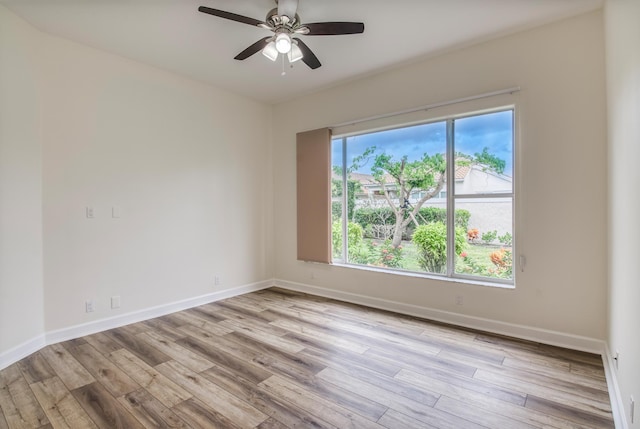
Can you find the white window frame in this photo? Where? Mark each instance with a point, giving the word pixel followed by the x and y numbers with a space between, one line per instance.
pixel 449 113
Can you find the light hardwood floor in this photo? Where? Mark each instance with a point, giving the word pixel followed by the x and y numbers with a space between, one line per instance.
pixel 278 359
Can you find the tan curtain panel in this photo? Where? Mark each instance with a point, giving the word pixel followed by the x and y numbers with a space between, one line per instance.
pixel 313 153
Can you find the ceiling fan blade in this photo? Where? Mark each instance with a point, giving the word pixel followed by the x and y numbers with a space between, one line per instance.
pixel 334 28
pixel 258 46
pixel 230 16
pixel 308 57
pixel 288 8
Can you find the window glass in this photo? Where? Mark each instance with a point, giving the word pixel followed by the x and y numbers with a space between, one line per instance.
pixel 483 145
pixel 390 197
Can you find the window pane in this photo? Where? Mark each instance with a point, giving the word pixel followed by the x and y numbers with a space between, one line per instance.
pixel 489 237
pixel 336 200
pixel 394 202
pixel 395 184
pixel 484 153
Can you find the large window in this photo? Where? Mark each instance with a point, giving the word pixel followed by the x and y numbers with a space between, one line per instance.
pixel 399 203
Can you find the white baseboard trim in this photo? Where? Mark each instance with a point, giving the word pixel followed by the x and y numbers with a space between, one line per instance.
pixel 23 350
pixel 617 407
pixel 544 336
pixel 149 313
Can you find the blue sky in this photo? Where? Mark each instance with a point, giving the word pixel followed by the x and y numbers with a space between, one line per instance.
pixel 472 134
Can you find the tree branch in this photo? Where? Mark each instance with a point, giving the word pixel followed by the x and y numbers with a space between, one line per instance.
pixel 388 198
pixel 425 197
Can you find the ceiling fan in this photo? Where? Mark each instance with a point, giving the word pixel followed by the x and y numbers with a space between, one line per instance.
pixel 285 23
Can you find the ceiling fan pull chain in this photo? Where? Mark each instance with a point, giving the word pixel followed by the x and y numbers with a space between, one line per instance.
pixel 283 72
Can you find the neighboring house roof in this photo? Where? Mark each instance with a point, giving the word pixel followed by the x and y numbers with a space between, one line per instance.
pixel 462 171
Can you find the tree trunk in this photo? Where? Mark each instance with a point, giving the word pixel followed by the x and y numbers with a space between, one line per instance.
pixel 398 230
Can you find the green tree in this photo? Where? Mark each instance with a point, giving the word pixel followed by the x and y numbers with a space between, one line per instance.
pixel 426 174
pixel 353 187
pixel 490 161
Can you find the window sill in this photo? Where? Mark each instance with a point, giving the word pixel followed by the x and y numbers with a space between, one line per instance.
pixel 414 274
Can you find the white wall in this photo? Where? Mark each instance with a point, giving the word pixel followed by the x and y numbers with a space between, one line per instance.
pixel 623 90
pixel 185 162
pixel 561 206
pixel 21 298
pixel 188 165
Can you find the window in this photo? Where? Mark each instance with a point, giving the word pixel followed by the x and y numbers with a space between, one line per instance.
pixel 408 207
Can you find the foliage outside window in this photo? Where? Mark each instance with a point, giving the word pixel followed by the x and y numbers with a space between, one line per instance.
pixel 407 207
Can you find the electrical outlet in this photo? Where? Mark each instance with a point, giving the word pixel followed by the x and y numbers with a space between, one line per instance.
pixel 216 280
pixel 115 301
pixel 90 212
pixel 88 306
pixel 459 300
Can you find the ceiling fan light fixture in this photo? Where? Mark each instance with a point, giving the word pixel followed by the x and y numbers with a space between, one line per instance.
pixel 285 23
pixel 283 43
pixel 270 51
pixel 295 54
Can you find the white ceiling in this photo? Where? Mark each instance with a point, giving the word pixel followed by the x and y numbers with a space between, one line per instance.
pixel 173 35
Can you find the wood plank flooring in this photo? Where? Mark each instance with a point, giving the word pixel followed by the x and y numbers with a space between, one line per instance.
pixel 279 359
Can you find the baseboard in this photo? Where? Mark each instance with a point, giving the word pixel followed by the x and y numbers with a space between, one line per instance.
pixel 149 313
pixel 544 336
pixel 617 407
pixel 23 350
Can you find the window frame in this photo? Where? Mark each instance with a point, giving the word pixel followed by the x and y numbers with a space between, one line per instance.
pixel 450 196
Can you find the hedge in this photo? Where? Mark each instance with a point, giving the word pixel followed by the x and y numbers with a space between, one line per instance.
pixel 385 216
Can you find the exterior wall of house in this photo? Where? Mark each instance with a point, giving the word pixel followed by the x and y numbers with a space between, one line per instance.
pixel 481 182
pixel 560 110
pixel 494 214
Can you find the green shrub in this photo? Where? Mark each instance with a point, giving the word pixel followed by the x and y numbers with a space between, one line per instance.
pixel 431 241
pixel 489 236
pixel 385 255
pixel 358 252
pixel 385 216
pixel 506 239
pixel 437 214
pixel 336 210
pixel 462 218
pixel 336 239
pixel 502 268
pixel 374 216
